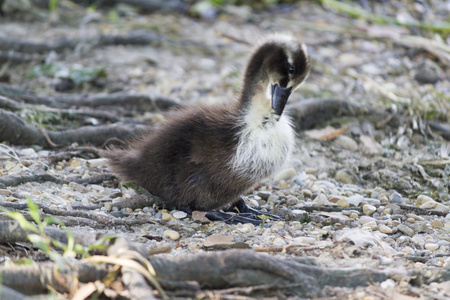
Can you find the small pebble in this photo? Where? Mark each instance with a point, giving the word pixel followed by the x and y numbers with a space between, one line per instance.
pixel 366 219
pixel 418 239
pixel 395 198
pixel 442 208
pixel 28 152
pixel 334 198
pixel 422 199
pixel 369 209
pixel 307 193
pixel 172 234
pixel 355 200
pixel 353 215
pixel 387 211
pixel 179 214
pixel 384 199
pixel 264 194
pixel 291 201
pixel 273 198
pixel 279 242
pixel 415 217
pixel 346 143
pixel 343 177
pixel 371 201
pixel 384 229
pixel 343 203
pixel 166 217
pixel 321 200
pixel 405 229
pixel 431 246
pixel 436 224
pixel 5 192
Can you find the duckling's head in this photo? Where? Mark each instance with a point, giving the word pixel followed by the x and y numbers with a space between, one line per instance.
pixel 278 65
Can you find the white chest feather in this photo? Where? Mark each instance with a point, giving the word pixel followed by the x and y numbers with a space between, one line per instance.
pixel 264 145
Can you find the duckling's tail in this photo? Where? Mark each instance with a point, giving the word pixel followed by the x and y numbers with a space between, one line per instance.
pixel 123 162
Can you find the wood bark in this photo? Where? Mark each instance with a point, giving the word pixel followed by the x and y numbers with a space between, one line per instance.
pixel 239 268
pixel 16 131
pixel 128 100
pixel 218 270
pixel 11 232
pixel 39 276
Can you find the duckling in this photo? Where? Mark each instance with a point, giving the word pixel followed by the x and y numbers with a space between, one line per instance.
pixel 204 158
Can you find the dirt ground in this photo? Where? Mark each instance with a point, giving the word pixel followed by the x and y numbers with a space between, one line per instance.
pixel 375 188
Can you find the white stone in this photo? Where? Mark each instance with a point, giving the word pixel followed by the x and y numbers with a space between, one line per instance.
pixel 355 200
pixel 422 199
pixel 366 219
pixel 384 229
pixel 321 200
pixel 279 242
pixel 418 239
pixel 179 214
pixel 172 234
pixel 97 162
pixel 28 152
pixel 346 143
pixel 369 209
pixel 431 246
pixel 343 203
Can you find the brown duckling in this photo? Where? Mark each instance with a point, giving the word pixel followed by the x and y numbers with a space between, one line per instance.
pixel 205 158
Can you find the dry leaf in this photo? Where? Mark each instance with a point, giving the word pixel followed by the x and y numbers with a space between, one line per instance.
pixel 325 134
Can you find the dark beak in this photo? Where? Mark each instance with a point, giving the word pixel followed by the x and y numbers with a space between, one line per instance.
pixel 279 98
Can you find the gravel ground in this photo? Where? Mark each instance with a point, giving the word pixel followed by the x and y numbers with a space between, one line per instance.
pixel 361 193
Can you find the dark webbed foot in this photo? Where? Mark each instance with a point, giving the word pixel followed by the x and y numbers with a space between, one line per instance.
pixel 245 214
pixel 243 208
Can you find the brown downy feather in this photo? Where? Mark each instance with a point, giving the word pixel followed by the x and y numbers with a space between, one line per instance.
pixel 205 158
pixel 183 162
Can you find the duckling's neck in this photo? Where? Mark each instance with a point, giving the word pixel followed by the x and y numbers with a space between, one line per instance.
pixel 265 140
pixel 256 106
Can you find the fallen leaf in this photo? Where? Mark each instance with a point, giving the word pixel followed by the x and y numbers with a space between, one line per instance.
pixel 325 134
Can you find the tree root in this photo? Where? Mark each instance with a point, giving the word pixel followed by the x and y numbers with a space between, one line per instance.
pixel 235 271
pixel 312 112
pixel 15 180
pixel 16 131
pixel 18 57
pixel 237 268
pixel 11 232
pixel 26 47
pixel 128 100
pixel 10 294
pixel 39 276
pixel 79 218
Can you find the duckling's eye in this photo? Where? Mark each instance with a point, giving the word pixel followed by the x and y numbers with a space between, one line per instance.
pixel 291 69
